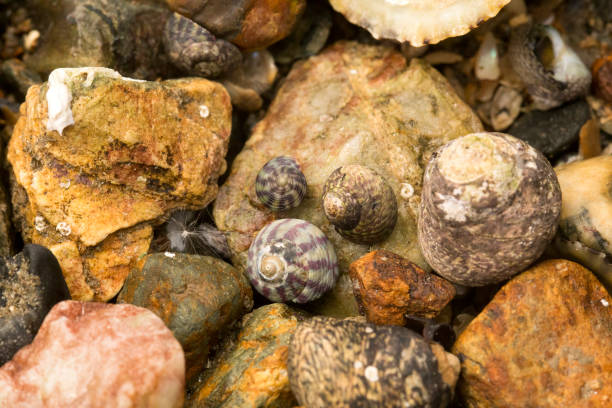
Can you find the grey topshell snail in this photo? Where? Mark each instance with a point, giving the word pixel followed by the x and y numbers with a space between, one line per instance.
pixel 483 222
pixel 360 203
pixel 280 184
pixel 292 260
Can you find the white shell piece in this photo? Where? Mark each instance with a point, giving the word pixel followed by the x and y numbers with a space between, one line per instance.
pixel 418 21
pixel 59 93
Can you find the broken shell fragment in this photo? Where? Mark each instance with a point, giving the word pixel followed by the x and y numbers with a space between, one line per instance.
pixel 280 184
pixel 350 363
pixel 552 72
pixel 419 22
pixel 292 260
pixel 195 51
pixel 487 59
pixel 360 203
pixel 489 207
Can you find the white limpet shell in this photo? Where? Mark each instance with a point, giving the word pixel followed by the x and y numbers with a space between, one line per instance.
pixel 419 22
pixel 59 92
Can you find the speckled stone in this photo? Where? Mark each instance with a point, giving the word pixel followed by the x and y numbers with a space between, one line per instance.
pixel 388 287
pixel 350 363
pixel 30 284
pixel 197 297
pixel 250 371
pixel 137 150
pixel 96 355
pixel 351 104
pixel 544 340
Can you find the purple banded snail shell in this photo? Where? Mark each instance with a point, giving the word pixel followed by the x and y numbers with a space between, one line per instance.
pixel 360 203
pixel 280 184
pixel 292 260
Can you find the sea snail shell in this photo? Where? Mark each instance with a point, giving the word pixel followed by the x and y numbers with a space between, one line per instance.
pixel 489 207
pixel 292 260
pixel 280 184
pixel 551 70
pixel 360 203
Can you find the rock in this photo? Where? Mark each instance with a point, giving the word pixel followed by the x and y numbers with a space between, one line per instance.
pixel 17 76
pixel 136 151
pixel 248 24
pixel 127 36
pixel 388 286
pixel 6 232
pixel 251 368
pixel 544 340
pixel 348 363
pixel 330 111
pixel 96 355
pixel 197 297
pixel 30 284
pixel 552 132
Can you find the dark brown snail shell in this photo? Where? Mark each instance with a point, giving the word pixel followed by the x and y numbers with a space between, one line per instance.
pixel 350 363
pixel 195 51
pixel 360 203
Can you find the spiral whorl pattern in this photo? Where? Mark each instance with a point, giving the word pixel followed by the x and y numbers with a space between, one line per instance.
pixel 292 260
pixel 280 184
pixel 360 203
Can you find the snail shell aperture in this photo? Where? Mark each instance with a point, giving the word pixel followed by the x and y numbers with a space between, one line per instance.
pixel 360 203
pixel 489 207
pixel 551 70
pixel 280 184
pixel 292 260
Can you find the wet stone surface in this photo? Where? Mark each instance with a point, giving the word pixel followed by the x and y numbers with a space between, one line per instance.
pixel 197 297
pixel 30 284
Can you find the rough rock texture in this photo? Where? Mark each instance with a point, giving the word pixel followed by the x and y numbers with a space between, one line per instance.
pixel 352 104
pixel 136 151
pixel 552 132
pixel 250 371
pixel 197 297
pixel 30 284
pixel 545 340
pixel 350 363
pixel 251 24
pixel 96 355
pixel 388 286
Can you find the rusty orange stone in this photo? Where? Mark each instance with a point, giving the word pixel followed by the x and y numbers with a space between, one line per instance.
pixel 388 286
pixel 545 340
pixel 602 77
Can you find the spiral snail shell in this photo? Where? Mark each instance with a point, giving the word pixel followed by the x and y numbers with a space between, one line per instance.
pixel 280 184
pixel 292 260
pixel 551 70
pixel 489 207
pixel 360 204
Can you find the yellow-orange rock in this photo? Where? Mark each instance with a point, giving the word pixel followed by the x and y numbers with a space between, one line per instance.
pixel 251 369
pixel 545 340
pixel 136 151
pixel 388 286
